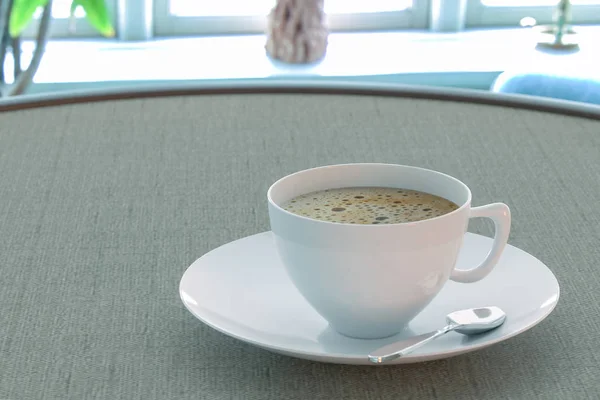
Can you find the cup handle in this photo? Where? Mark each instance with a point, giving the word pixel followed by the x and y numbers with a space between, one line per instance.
pixel 500 214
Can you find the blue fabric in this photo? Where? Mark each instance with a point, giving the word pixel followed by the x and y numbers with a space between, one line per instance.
pixel 563 87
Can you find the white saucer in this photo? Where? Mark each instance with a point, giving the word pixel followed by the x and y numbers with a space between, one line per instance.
pixel 242 290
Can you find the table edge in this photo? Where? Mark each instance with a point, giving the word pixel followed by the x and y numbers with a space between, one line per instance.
pixel 306 87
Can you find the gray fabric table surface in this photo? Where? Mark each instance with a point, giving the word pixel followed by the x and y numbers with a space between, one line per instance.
pixel 105 204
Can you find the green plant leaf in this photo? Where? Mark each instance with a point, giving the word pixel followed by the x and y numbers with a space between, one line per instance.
pixel 21 15
pixel 97 15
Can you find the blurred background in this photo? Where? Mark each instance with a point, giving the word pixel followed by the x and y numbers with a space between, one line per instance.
pixel 458 43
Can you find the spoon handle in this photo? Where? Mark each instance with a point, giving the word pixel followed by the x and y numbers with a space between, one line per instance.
pixel 399 349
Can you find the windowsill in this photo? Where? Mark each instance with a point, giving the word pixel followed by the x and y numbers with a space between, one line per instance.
pixel 468 59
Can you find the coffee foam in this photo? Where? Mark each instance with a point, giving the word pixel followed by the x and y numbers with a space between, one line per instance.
pixel 369 205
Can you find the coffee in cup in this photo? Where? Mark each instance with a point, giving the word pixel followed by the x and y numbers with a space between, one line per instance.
pixel 369 205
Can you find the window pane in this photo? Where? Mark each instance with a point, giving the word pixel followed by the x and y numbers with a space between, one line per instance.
pixel 532 3
pixel 61 9
pixel 212 8
pixel 365 6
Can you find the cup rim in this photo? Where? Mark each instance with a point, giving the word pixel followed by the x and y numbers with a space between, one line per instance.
pixel 364 226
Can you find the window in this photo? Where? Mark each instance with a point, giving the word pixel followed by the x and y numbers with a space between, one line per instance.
pixel 510 12
pixel 183 17
pixel 222 17
pixel 61 23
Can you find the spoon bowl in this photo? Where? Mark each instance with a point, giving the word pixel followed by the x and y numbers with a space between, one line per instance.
pixel 476 320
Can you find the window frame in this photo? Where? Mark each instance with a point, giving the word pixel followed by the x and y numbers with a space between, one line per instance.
pixel 166 24
pixel 479 15
pixel 59 27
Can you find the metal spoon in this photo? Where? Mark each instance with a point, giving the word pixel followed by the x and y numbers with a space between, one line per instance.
pixel 468 322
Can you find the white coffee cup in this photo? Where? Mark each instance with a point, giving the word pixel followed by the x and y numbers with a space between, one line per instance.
pixel 370 281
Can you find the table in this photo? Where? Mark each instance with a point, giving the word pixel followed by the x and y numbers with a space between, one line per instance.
pixel 108 197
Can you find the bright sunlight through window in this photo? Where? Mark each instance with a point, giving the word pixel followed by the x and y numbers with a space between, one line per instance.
pixel 211 8
pixel 61 9
pixel 532 3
